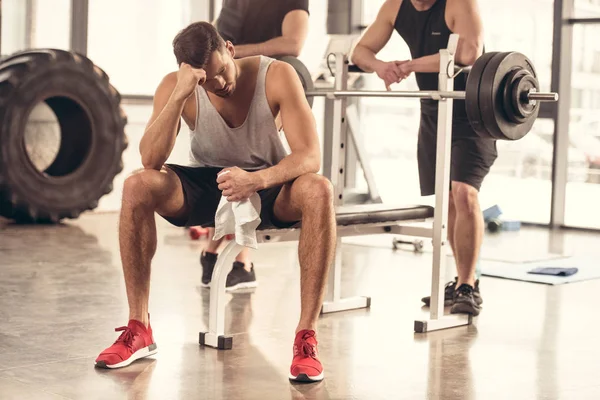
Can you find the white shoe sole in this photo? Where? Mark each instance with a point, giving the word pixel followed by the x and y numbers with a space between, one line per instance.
pixel 243 285
pixel 141 353
pixel 306 378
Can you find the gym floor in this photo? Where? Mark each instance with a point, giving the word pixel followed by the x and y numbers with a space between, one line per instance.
pixel 62 295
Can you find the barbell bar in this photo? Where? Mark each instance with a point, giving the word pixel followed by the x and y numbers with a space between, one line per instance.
pixel 502 95
pixel 434 95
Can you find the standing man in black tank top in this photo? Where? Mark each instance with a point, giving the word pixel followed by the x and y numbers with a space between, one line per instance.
pixel 426 25
pixel 255 27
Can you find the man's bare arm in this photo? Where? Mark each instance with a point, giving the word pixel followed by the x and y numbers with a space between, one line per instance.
pixel 290 43
pixel 375 37
pixel 162 128
pixel 299 127
pixel 466 22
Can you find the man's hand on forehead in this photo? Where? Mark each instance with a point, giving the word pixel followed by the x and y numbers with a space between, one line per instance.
pixel 188 78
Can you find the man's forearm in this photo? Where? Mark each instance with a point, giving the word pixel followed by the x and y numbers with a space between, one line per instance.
pixel 432 63
pixel 288 169
pixel 425 64
pixel 365 59
pixel 281 45
pixel 159 138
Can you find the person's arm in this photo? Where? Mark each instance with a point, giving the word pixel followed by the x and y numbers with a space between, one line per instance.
pixel 301 133
pixel 373 40
pixel 299 127
pixel 164 124
pixel 467 24
pixel 294 31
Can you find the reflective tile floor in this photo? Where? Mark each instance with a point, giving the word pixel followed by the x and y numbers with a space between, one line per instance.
pixel 62 295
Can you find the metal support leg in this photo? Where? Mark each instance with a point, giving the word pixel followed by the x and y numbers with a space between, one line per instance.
pixel 339 136
pixel 333 298
pixel 437 320
pixel 215 337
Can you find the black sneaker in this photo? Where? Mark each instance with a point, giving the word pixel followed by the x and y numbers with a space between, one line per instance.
pixel 449 294
pixel 208 261
pixel 239 278
pixel 464 301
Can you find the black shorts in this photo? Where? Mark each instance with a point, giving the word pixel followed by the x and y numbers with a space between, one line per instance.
pixel 202 197
pixel 472 156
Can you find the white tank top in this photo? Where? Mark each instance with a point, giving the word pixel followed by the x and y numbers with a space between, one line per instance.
pixel 256 144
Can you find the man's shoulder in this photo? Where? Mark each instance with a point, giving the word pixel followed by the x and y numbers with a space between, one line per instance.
pixel 280 71
pixel 168 82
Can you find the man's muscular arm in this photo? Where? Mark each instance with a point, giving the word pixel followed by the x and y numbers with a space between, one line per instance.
pixel 465 21
pixel 290 43
pixel 373 40
pixel 162 128
pixel 299 126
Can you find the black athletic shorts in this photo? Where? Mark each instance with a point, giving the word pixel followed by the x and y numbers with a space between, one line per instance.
pixel 202 197
pixel 472 156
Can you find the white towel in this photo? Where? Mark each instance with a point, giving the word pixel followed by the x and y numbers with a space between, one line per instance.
pixel 240 218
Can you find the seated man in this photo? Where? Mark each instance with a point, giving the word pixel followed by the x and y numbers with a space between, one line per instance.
pixel 255 27
pixel 230 107
pixel 425 26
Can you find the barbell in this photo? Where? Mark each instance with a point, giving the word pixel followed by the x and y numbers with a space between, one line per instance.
pixel 502 96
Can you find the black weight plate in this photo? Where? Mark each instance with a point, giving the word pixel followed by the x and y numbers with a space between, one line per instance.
pixel 486 106
pixel 303 74
pixel 472 94
pixel 491 98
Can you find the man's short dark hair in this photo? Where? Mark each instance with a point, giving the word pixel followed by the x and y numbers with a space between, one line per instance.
pixel 194 44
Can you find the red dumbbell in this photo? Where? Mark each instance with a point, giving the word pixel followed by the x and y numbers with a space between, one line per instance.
pixel 196 232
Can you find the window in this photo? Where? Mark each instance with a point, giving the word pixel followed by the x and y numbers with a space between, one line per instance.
pixel 131 40
pixel 583 185
pixel 587 9
pixel 14 26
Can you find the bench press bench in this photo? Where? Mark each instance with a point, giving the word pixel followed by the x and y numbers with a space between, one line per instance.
pixel 355 220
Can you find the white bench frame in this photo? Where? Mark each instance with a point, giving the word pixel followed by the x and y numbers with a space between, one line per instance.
pixel 215 337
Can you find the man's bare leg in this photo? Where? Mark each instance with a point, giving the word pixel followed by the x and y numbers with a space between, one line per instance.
pixel 310 199
pixel 467 228
pixel 144 193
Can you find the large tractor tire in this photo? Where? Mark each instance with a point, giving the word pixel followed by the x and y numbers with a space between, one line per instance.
pixel 69 173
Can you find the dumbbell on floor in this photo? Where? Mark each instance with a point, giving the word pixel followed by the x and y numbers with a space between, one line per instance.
pixel 417 244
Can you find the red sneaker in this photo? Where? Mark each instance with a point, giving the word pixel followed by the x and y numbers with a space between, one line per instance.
pixel 134 343
pixel 306 367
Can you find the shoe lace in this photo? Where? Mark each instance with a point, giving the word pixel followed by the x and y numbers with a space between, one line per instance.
pixel 126 337
pixel 305 348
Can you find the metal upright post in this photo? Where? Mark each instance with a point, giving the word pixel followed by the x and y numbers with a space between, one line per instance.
pixel 442 196
pixel 338 142
pixel 338 155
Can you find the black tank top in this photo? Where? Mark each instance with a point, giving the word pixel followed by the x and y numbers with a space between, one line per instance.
pixel 425 33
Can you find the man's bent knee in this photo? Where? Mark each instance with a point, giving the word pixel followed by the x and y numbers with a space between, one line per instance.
pixel 156 189
pixel 316 189
pixel 465 197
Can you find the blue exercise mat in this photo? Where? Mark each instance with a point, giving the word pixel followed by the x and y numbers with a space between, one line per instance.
pixel 586 269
